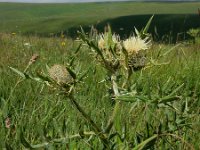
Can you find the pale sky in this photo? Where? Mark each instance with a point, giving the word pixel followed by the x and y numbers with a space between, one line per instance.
pixel 75 1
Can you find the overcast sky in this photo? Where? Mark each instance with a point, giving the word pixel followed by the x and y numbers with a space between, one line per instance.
pixel 66 1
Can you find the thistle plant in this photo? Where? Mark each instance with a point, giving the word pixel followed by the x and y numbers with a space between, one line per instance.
pixel 117 57
pixel 60 74
pixel 195 33
pixel 106 47
pixel 121 59
pixel 124 58
pixel 64 80
pixel 134 53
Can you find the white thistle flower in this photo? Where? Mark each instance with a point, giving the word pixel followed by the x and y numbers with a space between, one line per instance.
pixel 101 42
pixel 104 43
pixel 134 44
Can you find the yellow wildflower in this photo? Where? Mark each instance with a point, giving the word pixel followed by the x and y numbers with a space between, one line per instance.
pixel 63 43
pixel 13 33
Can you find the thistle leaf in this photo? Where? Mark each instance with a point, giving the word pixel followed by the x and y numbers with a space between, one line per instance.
pixel 83 75
pixel 78 48
pixel 21 74
pixel 42 77
pixel 71 72
pixel 168 99
pixel 145 30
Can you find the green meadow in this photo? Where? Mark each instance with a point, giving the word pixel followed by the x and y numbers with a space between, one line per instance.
pixel 108 100
pixel 48 19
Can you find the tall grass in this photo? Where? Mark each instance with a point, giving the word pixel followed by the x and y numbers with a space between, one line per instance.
pixel 43 117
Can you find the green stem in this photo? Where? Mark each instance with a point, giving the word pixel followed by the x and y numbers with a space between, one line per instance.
pixel 97 130
pixel 116 107
pixel 126 83
pixel 19 80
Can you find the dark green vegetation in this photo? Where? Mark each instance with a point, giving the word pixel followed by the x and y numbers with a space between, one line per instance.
pixel 48 19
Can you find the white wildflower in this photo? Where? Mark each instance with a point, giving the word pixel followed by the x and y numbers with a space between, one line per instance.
pixel 28 45
pixel 105 43
pixel 134 44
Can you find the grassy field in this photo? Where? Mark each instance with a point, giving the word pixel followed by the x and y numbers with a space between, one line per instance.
pixel 31 112
pixel 48 19
pixel 106 105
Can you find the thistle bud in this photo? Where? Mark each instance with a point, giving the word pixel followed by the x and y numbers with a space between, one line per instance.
pixel 137 62
pixel 60 74
pixel 33 59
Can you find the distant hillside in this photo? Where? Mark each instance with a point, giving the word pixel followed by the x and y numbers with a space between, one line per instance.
pixel 48 19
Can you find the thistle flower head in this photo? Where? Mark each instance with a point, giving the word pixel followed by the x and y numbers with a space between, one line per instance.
pixel 60 74
pixel 137 62
pixel 134 44
pixel 101 42
pixel 107 40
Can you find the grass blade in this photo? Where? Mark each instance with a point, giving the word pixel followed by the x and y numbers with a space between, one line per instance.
pixel 144 143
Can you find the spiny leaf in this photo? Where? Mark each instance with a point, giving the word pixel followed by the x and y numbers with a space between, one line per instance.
pixel 21 74
pixel 72 61
pixel 83 75
pixel 145 30
pixel 91 44
pixel 71 72
pixel 47 67
pixel 78 48
pixel 37 79
pixel 99 52
pixel 137 32
pixel 43 77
